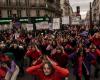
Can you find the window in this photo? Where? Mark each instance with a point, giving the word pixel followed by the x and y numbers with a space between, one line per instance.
pixel 23 13
pixel 32 13
pixel 42 12
pixel 22 2
pixel 3 1
pixel 51 1
pixel 14 11
pixel 4 13
pixel 32 2
pixel 13 2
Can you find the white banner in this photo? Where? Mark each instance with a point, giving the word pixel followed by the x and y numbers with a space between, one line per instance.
pixel 42 25
pixel 24 26
pixel 76 20
pixel 65 20
pixel 50 26
pixel 6 27
pixel 29 27
pixel 56 23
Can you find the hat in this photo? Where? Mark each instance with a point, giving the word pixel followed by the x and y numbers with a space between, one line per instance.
pixel 10 55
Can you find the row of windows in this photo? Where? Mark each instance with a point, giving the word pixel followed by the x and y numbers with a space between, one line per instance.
pixel 24 13
pixel 27 2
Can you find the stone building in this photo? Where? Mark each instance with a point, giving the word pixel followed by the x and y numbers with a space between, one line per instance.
pixel 30 8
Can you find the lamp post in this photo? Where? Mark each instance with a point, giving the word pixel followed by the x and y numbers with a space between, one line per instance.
pixel 69 13
pixel 90 15
pixel 38 5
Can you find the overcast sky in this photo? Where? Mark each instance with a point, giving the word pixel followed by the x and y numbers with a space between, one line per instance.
pixel 84 6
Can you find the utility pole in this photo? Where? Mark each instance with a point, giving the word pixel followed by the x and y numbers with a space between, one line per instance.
pixel 91 24
pixel 99 19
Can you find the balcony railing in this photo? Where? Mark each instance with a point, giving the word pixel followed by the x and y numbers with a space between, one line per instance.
pixel 46 5
pixel 41 4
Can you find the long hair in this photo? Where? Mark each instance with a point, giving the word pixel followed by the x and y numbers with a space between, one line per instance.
pixel 50 65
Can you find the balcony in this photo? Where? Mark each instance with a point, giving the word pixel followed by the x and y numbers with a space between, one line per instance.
pixel 22 3
pixel 41 4
pixel 44 5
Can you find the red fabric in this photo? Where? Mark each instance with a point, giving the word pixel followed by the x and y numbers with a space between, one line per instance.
pixel 57 75
pixel 2 72
pixel 34 55
pixel 4 58
pixel 96 41
pixel 97 52
pixel 93 62
pixel 61 59
pixel 80 60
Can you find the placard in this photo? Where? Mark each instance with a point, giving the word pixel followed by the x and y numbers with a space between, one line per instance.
pixel 65 20
pixel 42 25
pixel 56 23
pixel 29 27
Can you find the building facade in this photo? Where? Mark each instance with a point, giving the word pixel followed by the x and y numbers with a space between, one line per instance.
pixel 30 8
pixel 66 8
pixel 96 11
pixel 87 18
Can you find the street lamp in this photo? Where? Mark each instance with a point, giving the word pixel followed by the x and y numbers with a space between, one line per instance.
pixel 37 5
pixel 69 14
pixel 90 15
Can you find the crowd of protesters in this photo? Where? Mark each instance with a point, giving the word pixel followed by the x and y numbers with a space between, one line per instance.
pixel 50 55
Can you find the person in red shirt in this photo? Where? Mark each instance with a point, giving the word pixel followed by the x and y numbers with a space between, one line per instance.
pixel 95 39
pixel 3 70
pixel 33 53
pixel 60 56
pixel 48 70
pixel 96 52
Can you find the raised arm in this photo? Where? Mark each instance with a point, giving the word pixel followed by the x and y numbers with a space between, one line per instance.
pixel 62 71
pixel 32 69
